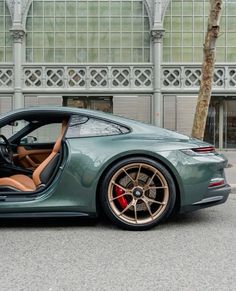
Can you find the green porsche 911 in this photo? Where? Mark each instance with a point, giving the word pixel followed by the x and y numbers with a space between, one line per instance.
pixel 73 162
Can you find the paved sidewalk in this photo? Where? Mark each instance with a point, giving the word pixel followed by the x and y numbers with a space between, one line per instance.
pixel 231 170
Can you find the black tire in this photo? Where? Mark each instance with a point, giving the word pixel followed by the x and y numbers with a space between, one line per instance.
pixel 135 186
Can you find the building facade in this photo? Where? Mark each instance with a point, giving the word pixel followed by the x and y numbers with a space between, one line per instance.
pixel 137 58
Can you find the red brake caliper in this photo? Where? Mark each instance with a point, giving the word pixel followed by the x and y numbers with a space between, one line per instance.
pixel 122 201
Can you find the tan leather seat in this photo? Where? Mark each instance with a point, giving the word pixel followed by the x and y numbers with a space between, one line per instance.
pixel 25 183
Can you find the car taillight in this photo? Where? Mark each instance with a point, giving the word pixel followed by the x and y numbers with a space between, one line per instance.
pixel 204 150
pixel 216 182
pixel 199 151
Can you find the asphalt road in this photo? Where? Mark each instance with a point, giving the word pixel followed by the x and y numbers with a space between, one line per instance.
pixel 195 251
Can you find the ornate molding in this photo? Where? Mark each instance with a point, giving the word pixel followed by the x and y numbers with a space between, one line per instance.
pixel 157 34
pixel 17 34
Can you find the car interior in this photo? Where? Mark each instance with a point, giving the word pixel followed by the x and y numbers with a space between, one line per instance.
pixel 31 151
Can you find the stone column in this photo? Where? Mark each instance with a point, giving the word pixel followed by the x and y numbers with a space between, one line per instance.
pixel 157 34
pixel 18 34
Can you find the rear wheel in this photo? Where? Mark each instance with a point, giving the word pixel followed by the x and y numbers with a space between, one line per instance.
pixel 138 193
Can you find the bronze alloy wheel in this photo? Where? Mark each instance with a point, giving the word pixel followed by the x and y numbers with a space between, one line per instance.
pixel 138 193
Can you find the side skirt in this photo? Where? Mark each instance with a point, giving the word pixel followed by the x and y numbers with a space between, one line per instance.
pixel 45 214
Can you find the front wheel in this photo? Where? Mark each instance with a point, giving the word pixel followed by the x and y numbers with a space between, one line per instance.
pixel 138 193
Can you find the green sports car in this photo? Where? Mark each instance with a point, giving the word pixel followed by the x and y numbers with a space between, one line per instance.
pixel 73 162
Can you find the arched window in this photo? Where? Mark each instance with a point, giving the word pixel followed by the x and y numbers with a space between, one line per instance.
pixel 86 31
pixel 5 36
pixel 186 24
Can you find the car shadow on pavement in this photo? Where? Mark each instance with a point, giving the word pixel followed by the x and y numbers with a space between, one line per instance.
pixel 178 220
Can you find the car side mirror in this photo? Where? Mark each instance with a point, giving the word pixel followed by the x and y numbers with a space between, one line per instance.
pixel 31 139
pixel 28 139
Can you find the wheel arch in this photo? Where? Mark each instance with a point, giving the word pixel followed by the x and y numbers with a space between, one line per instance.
pixel 157 158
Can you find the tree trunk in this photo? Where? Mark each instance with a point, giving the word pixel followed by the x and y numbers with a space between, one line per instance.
pixel 208 66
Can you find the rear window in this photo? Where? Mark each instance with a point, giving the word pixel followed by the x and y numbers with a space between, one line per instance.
pixel 84 126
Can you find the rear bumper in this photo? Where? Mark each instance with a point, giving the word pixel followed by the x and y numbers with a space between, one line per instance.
pixel 213 197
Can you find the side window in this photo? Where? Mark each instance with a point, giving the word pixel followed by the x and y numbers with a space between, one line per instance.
pixel 45 134
pixel 84 126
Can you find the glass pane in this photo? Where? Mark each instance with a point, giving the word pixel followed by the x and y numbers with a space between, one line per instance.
pixel 126 24
pixel 126 55
pixel 137 55
pixel 49 24
pixel 37 8
pixel 38 55
pixel 137 24
pixel 198 8
pixel 29 24
pixel 2 39
pixel 70 8
pixel 198 24
pixel 37 24
pixel 49 8
pixel 93 24
pixel 82 8
pixel 198 54
pixel 137 9
pixel 8 55
pixel 2 55
pixel 70 24
pixel 115 40
pixel 29 39
pixel 93 55
pixel 49 55
pixel 177 54
pixel 49 39
pixel 176 8
pixel 115 55
pixel 231 9
pixel 82 55
pixel 82 24
pixel 220 54
pixel 82 39
pixel 115 24
pixel 137 39
pixel 188 23
pixel 104 40
pixel 104 8
pixel 60 40
pixel 104 24
pixel 8 21
pixel 38 40
pixel 187 39
pixel 71 39
pixel 60 24
pixel 115 8
pixel 29 55
pixel 147 58
pixel 1 23
pixel 93 8
pixel 177 24
pixel 231 39
pixel 60 9
pixel 60 55
pixel 187 54
pixel 71 55
pixel 93 40
pixel 177 39
pixel 231 54
pixel 104 55
pixel 126 39
pixel 126 8
pixel 147 39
